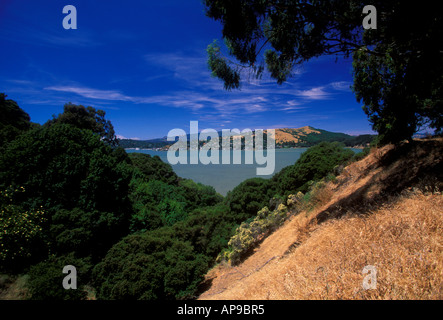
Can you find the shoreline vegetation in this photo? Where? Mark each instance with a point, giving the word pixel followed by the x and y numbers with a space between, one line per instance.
pixel 161 149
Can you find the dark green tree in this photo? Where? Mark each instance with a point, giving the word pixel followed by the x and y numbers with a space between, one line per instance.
pixel 153 168
pixel 249 197
pixel 13 120
pixel 20 237
pixel 77 180
pixel 150 266
pixel 157 203
pixel 87 118
pixel 398 67
pixel 46 278
pixel 208 229
pixel 63 166
pixel 313 164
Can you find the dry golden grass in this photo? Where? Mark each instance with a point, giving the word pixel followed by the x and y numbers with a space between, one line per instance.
pixel 292 134
pixel 282 136
pixel 403 241
pixel 321 253
pixel 224 277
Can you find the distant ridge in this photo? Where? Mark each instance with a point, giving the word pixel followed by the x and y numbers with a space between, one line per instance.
pixel 306 136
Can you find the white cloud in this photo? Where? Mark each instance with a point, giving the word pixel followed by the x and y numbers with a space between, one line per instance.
pixel 123 137
pixel 317 93
pixel 293 109
pixel 92 93
pixel 293 103
pixel 341 85
pixel 255 108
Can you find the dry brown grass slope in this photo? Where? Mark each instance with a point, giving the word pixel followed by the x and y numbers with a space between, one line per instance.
pixel 385 211
pixel 292 134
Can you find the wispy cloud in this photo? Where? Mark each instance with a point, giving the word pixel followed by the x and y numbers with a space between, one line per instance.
pixel 123 137
pixel 255 96
pixel 218 103
pixel 317 93
pixel 204 95
pixel 341 85
pixel 191 70
pixel 36 35
pixel 224 104
pixel 92 93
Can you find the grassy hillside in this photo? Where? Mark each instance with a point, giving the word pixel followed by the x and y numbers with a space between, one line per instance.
pixel 286 137
pixel 385 210
pixel 309 136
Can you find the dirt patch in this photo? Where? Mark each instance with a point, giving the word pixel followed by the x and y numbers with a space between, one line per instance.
pixel 13 287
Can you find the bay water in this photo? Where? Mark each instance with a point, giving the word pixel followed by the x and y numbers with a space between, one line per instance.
pixel 225 177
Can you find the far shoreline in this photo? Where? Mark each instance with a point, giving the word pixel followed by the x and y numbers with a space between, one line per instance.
pixel 161 149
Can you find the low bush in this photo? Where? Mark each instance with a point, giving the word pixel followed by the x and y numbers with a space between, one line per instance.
pixel 249 234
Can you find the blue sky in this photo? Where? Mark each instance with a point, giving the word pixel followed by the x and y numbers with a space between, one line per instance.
pixel 144 63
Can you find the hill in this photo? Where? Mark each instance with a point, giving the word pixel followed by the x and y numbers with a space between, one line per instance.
pixel 308 136
pixel 285 138
pixel 383 211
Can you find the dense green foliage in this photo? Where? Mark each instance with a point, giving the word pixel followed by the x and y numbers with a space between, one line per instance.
pixel 398 67
pixel 249 197
pixel 153 168
pixel 78 181
pixel 63 166
pixel 153 265
pixel 46 277
pixel 21 231
pixel 128 223
pixel 87 118
pixel 313 165
pixel 13 121
pixel 160 198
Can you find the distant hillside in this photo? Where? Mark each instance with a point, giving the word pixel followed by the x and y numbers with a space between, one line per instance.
pixel 285 138
pixel 309 136
pixel 143 144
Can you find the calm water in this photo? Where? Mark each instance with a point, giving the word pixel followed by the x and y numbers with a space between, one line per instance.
pixel 226 177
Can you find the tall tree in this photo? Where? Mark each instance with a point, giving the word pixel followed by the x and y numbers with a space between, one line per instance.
pixel 13 120
pixel 87 118
pixel 398 67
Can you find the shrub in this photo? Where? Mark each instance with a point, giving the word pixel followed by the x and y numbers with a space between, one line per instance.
pixel 46 279
pixel 20 232
pixel 153 168
pixel 88 233
pixel 208 229
pixel 294 200
pixel 157 203
pixel 149 266
pixel 249 234
pixel 313 165
pixel 249 197
pixel 317 195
